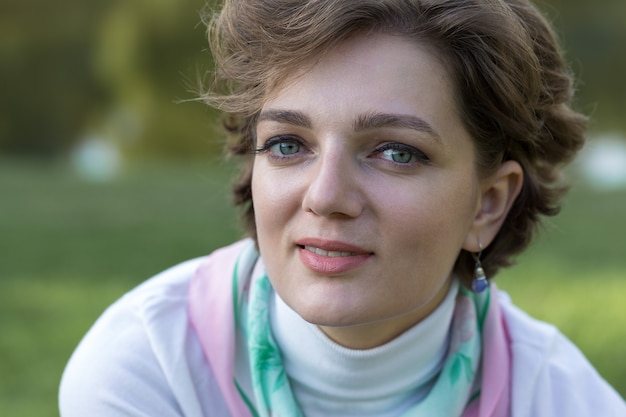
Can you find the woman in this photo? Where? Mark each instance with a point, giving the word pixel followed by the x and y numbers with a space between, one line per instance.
pixel 397 153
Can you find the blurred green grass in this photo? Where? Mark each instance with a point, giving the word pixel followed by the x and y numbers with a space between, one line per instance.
pixel 69 248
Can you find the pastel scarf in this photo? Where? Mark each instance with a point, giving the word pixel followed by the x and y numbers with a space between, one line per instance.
pixel 242 301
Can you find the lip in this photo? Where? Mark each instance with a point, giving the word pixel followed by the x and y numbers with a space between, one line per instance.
pixel 344 257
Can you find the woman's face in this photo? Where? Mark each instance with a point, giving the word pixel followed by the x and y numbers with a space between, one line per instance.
pixel 364 189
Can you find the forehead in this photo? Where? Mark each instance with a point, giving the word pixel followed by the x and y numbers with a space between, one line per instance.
pixel 387 60
pixel 369 74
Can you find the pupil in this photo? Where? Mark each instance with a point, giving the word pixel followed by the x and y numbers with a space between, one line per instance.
pixel 287 148
pixel 401 156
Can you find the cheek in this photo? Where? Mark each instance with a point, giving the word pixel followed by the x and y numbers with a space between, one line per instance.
pixel 429 216
pixel 274 199
pixel 263 199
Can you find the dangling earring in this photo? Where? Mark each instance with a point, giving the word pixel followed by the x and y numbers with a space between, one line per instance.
pixel 479 283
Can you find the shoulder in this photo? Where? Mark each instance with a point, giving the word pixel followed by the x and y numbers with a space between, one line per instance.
pixel 142 357
pixel 551 376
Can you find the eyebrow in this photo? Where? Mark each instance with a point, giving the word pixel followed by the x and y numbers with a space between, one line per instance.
pixel 365 121
pixel 286 116
pixel 378 120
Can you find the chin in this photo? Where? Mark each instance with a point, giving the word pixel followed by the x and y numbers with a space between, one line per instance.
pixel 325 315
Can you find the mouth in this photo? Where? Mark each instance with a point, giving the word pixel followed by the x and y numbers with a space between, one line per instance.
pixel 331 248
pixel 328 253
pixel 331 257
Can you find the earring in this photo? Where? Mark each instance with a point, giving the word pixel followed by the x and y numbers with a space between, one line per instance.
pixel 479 283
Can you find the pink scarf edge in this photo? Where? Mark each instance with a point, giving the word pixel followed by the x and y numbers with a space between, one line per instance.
pixel 210 309
pixel 494 400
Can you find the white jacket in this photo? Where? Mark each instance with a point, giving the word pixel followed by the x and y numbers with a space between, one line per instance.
pixel 143 358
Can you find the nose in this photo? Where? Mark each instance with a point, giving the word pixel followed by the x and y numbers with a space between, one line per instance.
pixel 333 187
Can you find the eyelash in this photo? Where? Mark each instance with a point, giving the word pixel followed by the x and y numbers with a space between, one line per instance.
pixel 419 156
pixel 267 146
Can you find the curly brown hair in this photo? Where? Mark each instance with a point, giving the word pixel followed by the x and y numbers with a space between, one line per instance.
pixel 512 85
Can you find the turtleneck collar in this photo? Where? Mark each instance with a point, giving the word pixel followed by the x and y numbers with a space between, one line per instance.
pixel 330 380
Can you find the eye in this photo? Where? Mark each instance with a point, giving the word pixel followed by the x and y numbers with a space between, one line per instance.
pixel 281 147
pixel 401 154
pixel 398 155
pixel 286 148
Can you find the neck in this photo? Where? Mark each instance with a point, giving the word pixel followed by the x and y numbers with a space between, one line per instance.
pixel 325 377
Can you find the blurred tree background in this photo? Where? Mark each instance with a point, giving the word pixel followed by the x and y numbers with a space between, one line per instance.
pixel 113 69
pixel 73 69
pixel 110 172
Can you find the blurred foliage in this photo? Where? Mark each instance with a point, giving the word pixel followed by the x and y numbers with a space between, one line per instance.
pixel 110 69
pixel 594 37
pixel 114 69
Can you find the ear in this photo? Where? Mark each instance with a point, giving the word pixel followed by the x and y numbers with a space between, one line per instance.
pixel 498 193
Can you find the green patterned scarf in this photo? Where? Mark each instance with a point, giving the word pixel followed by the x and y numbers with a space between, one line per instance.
pixel 449 396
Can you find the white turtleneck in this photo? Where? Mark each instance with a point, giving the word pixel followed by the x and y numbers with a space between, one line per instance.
pixel 330 380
